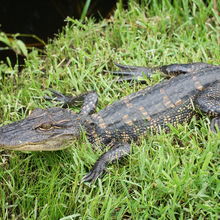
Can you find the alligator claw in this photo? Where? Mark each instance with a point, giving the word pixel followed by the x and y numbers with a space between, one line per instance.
pixel 96 171
pixel 63 99
pixel 134 70
pixel 57 96
pixel 130 78
pixel 215 124
pixel 129 73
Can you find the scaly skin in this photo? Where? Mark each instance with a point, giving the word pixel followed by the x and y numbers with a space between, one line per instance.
pixel 195 85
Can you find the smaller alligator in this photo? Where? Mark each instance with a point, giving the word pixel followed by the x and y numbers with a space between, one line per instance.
pixel 195 85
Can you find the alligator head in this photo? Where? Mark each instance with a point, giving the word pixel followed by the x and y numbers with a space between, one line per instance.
pixel 43 130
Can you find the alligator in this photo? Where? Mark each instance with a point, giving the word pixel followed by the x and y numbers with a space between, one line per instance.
pixel 190 87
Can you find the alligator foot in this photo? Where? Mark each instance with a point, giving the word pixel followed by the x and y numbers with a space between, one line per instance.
pixel 129 73
pixel 59 97
pixel 88 100
pixel 115 153
pixel 96 171
pixel 215 124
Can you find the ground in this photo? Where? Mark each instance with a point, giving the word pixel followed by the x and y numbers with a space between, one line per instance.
pixel 167 176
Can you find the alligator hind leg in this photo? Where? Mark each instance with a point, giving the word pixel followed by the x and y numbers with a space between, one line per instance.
pixel 87 100
pixel 115 153
pixel 176 69
pixel 129 73
pixel 209 101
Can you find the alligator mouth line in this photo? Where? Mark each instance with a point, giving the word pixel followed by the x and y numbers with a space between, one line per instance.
pixel 50 145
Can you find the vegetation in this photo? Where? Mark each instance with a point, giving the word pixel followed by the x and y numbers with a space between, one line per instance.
pixel 168 176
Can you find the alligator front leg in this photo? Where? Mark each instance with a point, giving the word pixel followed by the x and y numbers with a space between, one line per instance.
pixel 88 100
pixel 128 73
pixel 115 153
pixel 209 101
pixel 176 69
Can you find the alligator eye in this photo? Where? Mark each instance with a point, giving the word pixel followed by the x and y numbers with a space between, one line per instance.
pixel 45 126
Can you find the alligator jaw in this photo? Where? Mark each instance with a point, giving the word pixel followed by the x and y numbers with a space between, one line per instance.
pixel 52 145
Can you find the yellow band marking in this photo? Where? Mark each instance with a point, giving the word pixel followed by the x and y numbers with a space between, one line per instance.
pixel 197 84
pixel 178 102
pixel 144 113
pixel 127 102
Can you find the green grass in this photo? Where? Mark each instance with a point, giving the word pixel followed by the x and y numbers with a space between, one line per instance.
pixel 161 179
